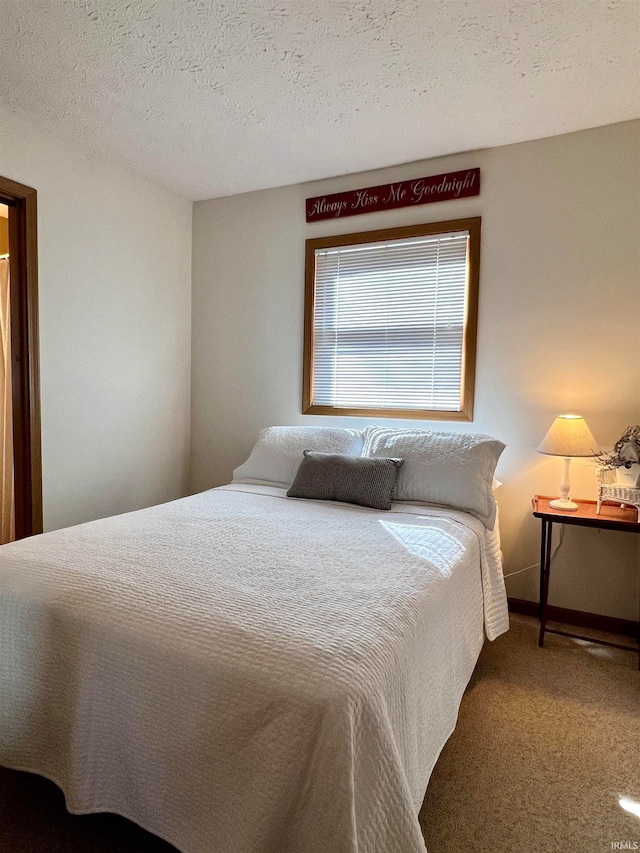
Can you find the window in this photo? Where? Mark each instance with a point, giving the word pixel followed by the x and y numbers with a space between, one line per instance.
pixel 390 322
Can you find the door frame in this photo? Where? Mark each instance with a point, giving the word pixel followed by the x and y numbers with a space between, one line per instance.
pixel 25 370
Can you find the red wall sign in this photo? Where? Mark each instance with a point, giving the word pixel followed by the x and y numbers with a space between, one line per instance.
pixel 389 196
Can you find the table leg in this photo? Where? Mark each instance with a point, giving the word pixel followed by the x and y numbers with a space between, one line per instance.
pixel 543 545
pixel 548 536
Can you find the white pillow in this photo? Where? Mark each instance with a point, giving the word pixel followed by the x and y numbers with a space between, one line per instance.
pixel 277 454
pixel 443 468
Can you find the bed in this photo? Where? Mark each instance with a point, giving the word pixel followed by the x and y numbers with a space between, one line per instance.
pixel 241 671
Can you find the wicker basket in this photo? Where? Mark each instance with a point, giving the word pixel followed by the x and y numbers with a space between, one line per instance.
pixel 609 490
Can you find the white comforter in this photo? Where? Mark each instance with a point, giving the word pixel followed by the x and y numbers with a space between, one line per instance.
pixel 238 671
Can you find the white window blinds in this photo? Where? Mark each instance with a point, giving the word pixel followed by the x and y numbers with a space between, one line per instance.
pixel 388 323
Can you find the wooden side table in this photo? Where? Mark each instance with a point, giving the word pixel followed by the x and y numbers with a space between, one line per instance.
pixel 610 518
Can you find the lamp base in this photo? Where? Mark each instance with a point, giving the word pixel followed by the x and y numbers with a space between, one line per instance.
pixel 567 506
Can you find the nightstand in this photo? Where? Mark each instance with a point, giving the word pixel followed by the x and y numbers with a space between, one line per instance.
pixel 610 518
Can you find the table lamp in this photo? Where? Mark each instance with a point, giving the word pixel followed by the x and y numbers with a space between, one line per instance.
pixel 568 436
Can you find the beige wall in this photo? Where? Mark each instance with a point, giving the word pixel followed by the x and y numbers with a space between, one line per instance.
pixel 115 306
pixel 558 328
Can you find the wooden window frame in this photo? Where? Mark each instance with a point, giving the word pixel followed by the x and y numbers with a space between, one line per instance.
pixel 470 332
pixel 25 374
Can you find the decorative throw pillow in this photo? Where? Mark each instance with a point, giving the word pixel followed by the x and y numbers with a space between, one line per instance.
pixel 351 479
pixel 278 451
pixel 449 469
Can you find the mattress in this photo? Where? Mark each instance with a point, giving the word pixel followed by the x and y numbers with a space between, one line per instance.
pixel 240 671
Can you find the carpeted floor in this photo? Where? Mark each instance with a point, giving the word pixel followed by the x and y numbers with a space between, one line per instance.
pixel 547 742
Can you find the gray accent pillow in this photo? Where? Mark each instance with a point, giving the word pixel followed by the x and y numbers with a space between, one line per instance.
pixel 351 479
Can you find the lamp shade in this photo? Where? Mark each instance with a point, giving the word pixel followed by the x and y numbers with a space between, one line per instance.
pixel 569 436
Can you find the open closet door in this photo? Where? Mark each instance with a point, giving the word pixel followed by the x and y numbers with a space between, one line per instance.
pixel 7 502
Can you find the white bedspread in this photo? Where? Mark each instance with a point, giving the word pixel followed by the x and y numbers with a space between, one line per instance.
pixel 243 673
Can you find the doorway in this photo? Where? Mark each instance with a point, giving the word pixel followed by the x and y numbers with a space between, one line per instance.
pixel 7 494
pixel 20 453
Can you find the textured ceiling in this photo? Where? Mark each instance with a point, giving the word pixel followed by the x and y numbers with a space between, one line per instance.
pixel 214 98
